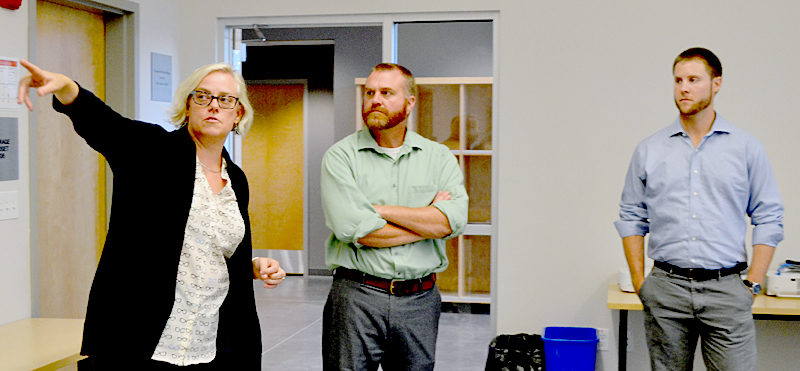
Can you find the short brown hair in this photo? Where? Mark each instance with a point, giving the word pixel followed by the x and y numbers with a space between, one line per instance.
pixel 713 65
pixel 411 85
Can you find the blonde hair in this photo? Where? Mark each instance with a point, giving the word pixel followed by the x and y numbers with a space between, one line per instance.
pixel 180 103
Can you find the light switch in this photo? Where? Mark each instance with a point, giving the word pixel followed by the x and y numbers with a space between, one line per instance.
pixel 9 205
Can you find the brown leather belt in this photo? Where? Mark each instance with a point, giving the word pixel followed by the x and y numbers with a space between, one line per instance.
pixel 393 287
pixel 701 274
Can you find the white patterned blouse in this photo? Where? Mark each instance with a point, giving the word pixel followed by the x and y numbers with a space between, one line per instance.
pixel 213 231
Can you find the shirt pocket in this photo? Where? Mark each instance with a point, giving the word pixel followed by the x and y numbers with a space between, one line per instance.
pixel 420 195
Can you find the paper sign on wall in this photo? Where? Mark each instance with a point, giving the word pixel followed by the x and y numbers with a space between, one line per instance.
pixel 9 79
pixel 160 77
pixel 9 149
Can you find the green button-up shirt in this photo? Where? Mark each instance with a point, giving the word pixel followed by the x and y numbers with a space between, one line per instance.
pixel 357 175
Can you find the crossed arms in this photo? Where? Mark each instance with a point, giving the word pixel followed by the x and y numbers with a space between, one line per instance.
pixel 356 194
pixel 409 224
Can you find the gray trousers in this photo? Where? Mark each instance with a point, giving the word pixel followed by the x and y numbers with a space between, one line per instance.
pixel 363 327
pixel 719 311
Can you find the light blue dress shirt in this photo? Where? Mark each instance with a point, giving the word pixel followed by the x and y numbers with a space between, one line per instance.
pixel 694 202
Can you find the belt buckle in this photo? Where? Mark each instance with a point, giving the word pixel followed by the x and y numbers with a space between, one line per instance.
pixel 391 286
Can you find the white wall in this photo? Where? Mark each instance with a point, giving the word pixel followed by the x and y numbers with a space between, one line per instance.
pixel 15 267
pixel 159 33
pixel 580 86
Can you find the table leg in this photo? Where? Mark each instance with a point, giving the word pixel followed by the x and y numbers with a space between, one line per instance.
pixel 622 359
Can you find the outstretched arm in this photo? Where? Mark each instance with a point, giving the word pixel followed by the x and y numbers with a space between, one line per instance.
pixel 45 82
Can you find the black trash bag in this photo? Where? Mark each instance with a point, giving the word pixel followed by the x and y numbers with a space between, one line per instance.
pixel 520 352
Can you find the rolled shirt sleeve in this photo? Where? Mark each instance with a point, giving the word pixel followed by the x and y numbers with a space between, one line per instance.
pixel 633 217
pixel 348 213
pixel 765 206
pixel 456 208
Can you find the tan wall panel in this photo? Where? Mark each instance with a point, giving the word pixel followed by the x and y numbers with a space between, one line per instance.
pixel 70 175
pixel 477 262
pixel 272 158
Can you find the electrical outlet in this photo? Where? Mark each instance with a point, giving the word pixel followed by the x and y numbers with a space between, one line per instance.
pixel 602 336
pixel 9 205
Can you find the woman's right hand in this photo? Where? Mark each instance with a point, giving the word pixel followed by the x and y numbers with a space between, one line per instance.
pixel 45 82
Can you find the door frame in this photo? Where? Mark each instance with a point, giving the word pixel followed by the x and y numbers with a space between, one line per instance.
pixel 122 88
pixel 291 260
pixel 225 41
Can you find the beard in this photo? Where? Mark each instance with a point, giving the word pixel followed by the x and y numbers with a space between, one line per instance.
pixel 380 119
pixel 695 108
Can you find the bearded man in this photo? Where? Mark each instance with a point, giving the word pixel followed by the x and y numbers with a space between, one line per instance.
pixel 692 186
pixel 391 198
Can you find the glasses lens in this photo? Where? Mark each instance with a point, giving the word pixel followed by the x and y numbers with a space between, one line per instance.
pixel 201 98
pixel 227 101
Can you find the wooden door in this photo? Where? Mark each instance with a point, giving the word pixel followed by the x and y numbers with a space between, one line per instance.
pixel 70 176
pixel 272 158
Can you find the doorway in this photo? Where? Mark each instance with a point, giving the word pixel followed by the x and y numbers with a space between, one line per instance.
pixel 404 38
pixel 291 60
pixel 69 193
pixel 273 159
pixel 71 176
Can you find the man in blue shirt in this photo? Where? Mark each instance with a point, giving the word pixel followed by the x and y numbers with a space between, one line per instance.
pixel 692 186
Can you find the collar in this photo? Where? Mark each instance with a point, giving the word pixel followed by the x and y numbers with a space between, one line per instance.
pixel 720 125
pixel 365 140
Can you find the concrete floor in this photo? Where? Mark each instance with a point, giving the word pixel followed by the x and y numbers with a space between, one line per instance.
pixel 291 329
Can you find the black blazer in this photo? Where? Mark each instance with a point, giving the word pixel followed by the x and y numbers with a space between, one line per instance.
pixel 134 286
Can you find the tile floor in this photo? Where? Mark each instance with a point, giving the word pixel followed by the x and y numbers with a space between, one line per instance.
pixel 291 328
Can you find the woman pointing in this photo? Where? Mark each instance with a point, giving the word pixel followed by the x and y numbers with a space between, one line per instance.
pixel 173 287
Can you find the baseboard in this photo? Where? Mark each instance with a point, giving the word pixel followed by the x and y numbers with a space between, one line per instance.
pixel 319 272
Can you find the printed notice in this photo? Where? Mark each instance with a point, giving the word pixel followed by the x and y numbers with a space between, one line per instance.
pixel 9 149
pixel 160 77
pixel 9 79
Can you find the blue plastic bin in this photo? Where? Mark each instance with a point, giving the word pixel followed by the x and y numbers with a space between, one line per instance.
pixel 570 348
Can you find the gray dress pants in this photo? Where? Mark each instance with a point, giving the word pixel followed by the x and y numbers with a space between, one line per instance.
pixel 678 310
pixel 363 327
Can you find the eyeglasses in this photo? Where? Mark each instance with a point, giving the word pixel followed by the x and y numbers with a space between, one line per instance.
pixel 202 99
